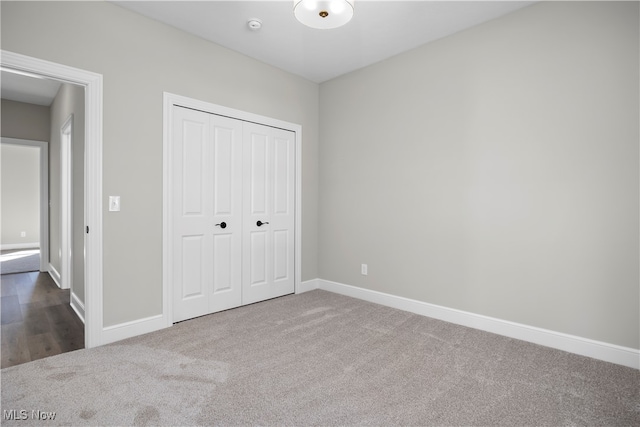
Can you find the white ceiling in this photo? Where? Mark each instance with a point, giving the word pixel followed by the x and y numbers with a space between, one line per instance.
pixel 22 88
pixel 378 30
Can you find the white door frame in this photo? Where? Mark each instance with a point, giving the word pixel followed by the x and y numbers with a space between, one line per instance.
pixel 92 83
pixel 44 195
pixel 66 203
pixel 167 258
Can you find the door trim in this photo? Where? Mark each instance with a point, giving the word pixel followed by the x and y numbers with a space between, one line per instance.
pixel 169 100
pixel 44 194
pixel 92 82
pixel 66 203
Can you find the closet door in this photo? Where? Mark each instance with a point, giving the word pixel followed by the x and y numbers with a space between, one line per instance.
pixel 268 224
pixel 207 216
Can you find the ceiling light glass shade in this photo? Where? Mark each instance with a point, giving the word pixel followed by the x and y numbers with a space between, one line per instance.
pixel 323 14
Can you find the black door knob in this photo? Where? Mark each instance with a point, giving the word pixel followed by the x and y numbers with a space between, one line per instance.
pixel 259 223
pixel 222 225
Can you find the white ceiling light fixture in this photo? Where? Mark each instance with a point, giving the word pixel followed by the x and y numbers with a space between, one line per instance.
pixel 323 14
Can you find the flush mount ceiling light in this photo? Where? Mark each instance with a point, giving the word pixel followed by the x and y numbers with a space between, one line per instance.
pixel 323 14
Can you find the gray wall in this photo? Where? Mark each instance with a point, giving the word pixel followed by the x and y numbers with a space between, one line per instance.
pixel 68 101
pixel 139 59
pixel 20 195
pixel 24 121
pixel 494 171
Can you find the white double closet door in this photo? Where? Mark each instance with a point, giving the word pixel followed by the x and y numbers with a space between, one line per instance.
pixel 233 212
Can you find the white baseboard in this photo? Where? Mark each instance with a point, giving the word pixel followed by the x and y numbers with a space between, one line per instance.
pixel 570 343
pixel 77 306
pixel 12 246
pixel 55 276
pixel 308 285
pixel 131 329
pixel 154 323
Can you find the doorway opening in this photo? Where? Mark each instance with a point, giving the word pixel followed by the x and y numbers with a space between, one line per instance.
pixel 89 222
pixel 24 239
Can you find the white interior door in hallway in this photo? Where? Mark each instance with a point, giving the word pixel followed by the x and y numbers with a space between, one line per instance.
pixel 233 212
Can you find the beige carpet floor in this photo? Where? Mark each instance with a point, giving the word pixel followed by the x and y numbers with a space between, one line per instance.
pixel 321 359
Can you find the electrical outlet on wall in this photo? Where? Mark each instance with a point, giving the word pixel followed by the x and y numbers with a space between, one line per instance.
pixel 23 234
pixel 364 269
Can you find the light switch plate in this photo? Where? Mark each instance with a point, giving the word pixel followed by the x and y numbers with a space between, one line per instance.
pixel 114 203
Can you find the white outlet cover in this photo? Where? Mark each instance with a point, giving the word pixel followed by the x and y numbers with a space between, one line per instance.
pixel 114 203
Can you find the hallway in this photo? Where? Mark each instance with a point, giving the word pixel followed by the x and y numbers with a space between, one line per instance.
pixel 37 319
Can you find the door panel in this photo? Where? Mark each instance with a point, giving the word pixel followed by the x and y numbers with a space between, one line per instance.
pixel 207 183
pixel 283 211
pixel 282 180
pixel 224 169
pixel 222 263
pixel 281 255
pixel 194 136
pixel 258 258
pixel 192 267
pixel 190 133
pixel 226 193
pixel 258 173
pixel 269 172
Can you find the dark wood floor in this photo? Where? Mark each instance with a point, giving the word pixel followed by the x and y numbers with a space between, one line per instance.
pixel 37 319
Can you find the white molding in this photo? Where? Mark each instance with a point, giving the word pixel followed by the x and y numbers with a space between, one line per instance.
pixel 11 246
pixel 28 142
pixel 570 343
pixel 132 329
pixel 298 206
pixel 66 203
pixel 44 198
pixel 169 100
pixel 93 96
pixel 55 275
pixel 308 285
pixel 77 306
pixel 167 269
